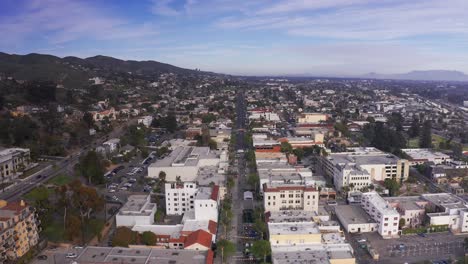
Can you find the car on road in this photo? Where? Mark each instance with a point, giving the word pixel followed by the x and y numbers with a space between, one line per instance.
pixel 71 255
pixel 42 257
pixel 401 246
pixel 112 191
pixel 78 247
pixel 123 188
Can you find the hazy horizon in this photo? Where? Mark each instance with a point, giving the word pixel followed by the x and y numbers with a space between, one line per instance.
pixel 324 38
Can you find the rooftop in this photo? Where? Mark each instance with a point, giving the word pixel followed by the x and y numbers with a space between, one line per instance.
pixel 425 154
pixel 142 255
pixel 293 228
pixel 311 254
pixel 379 203
pixel 137 205
pixel 363 156
pixel 352 214
pixel 185 156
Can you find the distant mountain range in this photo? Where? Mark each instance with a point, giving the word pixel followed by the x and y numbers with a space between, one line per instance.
pixel 76 71
pixel 433 75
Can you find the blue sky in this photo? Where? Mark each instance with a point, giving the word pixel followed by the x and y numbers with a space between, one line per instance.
pixel 253 37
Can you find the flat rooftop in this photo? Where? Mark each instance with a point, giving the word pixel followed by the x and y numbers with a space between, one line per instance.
pixel 291 216
pixel 293 228
pixel 446 200
pixel 352 214
pixel 137 205
pixel 425 154
pixel 380 204
pixel 311 254
pixel 185 156
pixel 141 256
pixel 207 175
pixel 363 156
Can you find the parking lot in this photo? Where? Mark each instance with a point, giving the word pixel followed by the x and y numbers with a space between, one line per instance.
pixel 413 248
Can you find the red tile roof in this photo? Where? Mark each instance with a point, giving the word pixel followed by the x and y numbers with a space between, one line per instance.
pixel 210 257
pixel 215 193
pixel 198 237
pixel 212 227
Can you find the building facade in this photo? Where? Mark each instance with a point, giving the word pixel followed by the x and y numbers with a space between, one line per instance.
pixel 290 197
pixel 12 162
pixel 386 217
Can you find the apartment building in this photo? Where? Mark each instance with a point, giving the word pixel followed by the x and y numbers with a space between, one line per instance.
pixel 180 197
pixel 378 164
pixel 386 217
pixel 12 162
pixel 138 210
pixel 19 229
pixel 280 197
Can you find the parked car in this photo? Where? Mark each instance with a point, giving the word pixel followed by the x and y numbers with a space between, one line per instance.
pixel 42 257
pixel 112 191
pixel 71 255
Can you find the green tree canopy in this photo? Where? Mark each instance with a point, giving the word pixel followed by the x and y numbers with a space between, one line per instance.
pixel 261 249
pixel 226 248
pixel 148 238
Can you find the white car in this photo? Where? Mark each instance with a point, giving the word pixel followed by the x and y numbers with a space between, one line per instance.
pixel 123 188
pixel 112 190
pixel 71 255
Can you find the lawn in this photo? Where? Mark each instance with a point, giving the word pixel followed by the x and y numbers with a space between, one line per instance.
pixel 414 142
pixel 60 180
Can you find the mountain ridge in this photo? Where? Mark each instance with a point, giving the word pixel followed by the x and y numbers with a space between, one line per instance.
pixel 421 75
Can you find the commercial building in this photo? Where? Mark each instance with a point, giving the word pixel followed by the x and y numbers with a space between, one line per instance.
pixel 386 217
pixel 360 163
pixel 304 142
pixel 138 210
pixel 448 209
pixel 143 255
pixel 278 173
pixel 12 162
pixel 354 219
pixel 183 163
pixel 280 197
pixel 19 230
pixel 410 208
pixel 317 254
pixel 421 156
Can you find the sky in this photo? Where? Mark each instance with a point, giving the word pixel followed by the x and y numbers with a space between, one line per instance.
pixel 247 37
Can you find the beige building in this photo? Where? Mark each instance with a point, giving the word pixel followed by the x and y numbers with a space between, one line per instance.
pixel 19 229
pixel 311 118
pixel 290 197
pixel 12 162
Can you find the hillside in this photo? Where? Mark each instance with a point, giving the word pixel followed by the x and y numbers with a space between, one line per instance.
pixel 73 71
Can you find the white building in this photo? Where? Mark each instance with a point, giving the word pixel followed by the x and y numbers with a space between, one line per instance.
pixel 354 219
pixel 278 173
pixel 386 217
pixel 378 165
pixel 138 210
pixel 12 162
pixel 145 120
pixel 183 163
pixel 264 115
pixel 206 203
pixel 111 145
pixel 450 210
pixel 421 156
pixel 180 197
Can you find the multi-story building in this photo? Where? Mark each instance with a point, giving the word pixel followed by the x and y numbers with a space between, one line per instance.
pixel 447 209
pixel 180 197
pixel 13 161
pixel 278 173
pixel 183 163
pixel 378 164
pixel 351 176
pixel 138 210
pixel 280 197
pixel 19 229
pixel 386 217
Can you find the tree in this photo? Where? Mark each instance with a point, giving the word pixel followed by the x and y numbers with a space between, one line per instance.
pixel 212 144
pixel 40 200
pixel 299 153
pixel 261 249
pixel 230 182
pixel 73 227
pixel 162 176
pixel 86 200
pixel 88 119
pixel 286 147
pixel 414 129
pixel 425 139
pixel 392 186
pixel 91 166
pixel 402 223
pixel 170 122
pixel 227 248
pixel 148 238
pixel 253 180
pixel 123 237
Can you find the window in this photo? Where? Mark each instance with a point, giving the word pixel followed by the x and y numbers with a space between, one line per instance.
pixel 268 203
pixel 282 196
pixel 291 196
pixel 308 196
pixel 268 197
pixel 386 218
